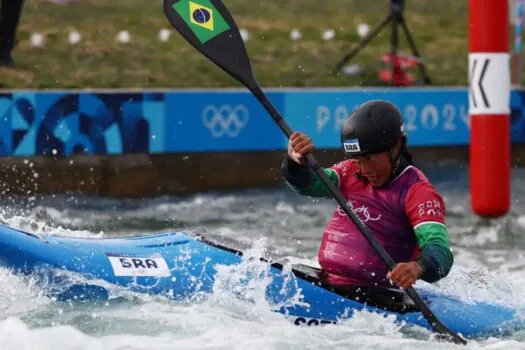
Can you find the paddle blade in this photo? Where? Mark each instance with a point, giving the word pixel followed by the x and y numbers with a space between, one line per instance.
pixel 209 27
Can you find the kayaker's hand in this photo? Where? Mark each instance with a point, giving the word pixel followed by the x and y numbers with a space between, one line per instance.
pixel 405 275
pixel 298 146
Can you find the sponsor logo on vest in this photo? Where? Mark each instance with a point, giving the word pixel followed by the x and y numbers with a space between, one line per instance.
pixel 361 211
pixel 135 266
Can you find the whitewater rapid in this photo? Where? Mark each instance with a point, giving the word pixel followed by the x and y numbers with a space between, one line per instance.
pixel 489 266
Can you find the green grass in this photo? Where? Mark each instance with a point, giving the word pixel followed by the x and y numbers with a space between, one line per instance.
pixel 440 29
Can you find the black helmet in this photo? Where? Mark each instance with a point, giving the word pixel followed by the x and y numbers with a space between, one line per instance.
pixel 373 127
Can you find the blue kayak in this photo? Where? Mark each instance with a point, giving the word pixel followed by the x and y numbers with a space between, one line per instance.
pixel 183 265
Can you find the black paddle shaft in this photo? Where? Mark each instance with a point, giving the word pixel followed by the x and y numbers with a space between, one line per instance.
pixel 209 27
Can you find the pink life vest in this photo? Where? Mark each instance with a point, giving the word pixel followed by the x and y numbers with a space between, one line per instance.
pixel 390 212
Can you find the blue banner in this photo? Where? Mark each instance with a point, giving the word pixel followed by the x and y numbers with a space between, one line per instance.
pixel 68 123
pixel 60 123
pixel 432 117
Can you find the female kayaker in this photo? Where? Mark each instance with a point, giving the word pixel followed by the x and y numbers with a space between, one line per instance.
pixel 392 197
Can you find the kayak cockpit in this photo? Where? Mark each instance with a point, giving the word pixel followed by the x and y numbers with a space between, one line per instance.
pixel 388 299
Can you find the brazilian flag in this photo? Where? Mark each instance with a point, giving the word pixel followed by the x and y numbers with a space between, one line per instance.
pixel 202 17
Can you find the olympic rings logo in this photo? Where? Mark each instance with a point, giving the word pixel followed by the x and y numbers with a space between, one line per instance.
pixel 225 120
pixel 363 210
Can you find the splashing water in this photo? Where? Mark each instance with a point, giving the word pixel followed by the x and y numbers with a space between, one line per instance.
pixel 247 282
pixel 488 267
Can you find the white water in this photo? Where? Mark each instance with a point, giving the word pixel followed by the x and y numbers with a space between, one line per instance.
pixel 489 266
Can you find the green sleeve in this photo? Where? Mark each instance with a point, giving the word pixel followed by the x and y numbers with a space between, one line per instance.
pixel 315 188
pixel 436 258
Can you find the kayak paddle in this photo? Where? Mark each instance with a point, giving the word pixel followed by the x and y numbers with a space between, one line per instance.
pixel 209 27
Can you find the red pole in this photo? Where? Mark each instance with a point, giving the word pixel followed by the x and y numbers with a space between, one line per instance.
pixel 489 101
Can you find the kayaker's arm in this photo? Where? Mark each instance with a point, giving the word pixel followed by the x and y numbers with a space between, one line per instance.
pixel 426 211
pixel 436 259
pixel 303 181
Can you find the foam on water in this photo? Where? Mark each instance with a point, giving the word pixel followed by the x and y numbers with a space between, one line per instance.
pixel 209 326
pixel 20 295
pixel 32 224
pixel 16 335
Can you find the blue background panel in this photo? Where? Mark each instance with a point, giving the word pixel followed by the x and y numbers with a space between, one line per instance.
pixel 220 121
pixel 432 117
pixel 120 122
